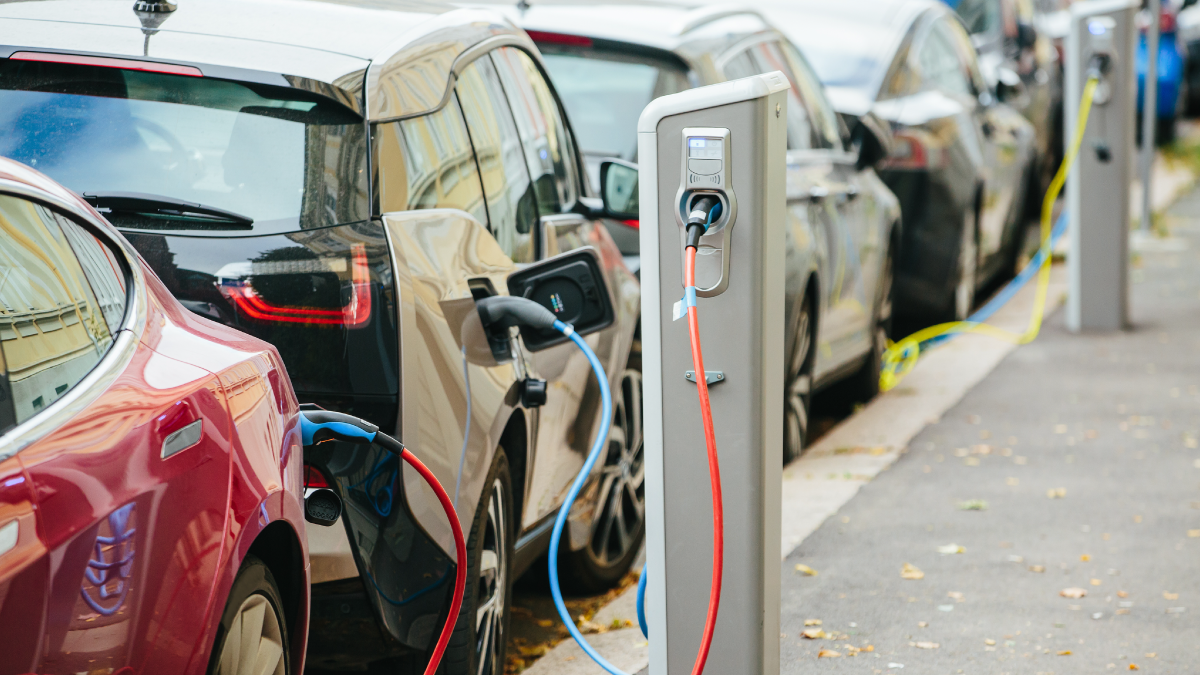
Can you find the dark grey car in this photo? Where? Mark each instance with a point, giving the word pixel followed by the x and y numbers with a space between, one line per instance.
pixel 962 159
pixel 609 60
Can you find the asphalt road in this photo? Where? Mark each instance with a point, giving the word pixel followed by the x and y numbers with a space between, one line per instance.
pixel 1081 454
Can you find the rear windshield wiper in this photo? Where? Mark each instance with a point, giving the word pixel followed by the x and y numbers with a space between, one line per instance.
pixel 158 207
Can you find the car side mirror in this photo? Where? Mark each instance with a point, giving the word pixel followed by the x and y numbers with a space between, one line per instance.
pixel 573 287
pixel 1009 85
pixel 619 189
pixel 873 138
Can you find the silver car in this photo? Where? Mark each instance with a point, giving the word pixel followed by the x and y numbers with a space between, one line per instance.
pixel 608 60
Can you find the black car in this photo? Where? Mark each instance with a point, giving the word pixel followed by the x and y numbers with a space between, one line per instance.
pixel 962 159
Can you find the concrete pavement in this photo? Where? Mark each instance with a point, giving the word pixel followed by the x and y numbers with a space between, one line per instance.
pixel 1081 452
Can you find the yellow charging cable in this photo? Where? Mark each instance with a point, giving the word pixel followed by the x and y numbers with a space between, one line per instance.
pixel 901 357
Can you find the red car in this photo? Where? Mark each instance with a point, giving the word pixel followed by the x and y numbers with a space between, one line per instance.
pixel 151 473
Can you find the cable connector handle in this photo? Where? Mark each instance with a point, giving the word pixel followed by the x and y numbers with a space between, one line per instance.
pixel 317 426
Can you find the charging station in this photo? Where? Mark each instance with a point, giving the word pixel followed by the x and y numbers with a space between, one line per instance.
pixel 728 142
pixel 1102 37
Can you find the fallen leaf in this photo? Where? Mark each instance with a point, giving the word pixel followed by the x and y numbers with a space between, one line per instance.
pixel 1065 652
pixel 805 570
pixel 1194 533
pixel 1133 666
pixel 1073 593
pixel 869 648
pixel 828 654
pixel 909 571
pixel 545 623
pixel 1170 596
pixel 1037 568
pixel 989 641
pixel 1085 557
pixel 812 622
pixel 958 597
pixel 951 549
pixel 813 633
pixel 1122 594
pixel 1096 582
pixel 1056 493
pixel 1151 655
pixel 973 505
pixel 922 624
pixel 924 645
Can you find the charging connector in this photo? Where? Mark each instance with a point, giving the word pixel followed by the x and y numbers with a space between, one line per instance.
pixel 704 211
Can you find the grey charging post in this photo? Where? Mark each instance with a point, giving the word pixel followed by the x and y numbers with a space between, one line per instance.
pixel 728 140
pixel 1098 187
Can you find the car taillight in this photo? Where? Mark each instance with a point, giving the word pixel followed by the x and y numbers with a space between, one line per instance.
pixel 634 223
pixel 546 37
pixel 107 62
pixel 355 313
pixel 909 151
pixel 1166 22
pixel 314 478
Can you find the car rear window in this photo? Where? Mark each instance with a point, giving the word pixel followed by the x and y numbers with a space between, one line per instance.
pixel 281 157
pixel 605 91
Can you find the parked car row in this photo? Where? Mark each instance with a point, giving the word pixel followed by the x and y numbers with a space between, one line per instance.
pixel 303 205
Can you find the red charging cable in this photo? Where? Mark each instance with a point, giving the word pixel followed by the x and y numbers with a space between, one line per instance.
pixel 714 467
pixel 460 563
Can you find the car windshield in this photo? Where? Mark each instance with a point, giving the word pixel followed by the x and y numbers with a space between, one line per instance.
pixel 284 158
pixel 843 54
pixel 604 94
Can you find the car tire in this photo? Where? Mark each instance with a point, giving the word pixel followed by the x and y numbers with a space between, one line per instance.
pixel 618 525
pixel 867 385
pixel 253 627
pixel 962 295
pixel 797 395
pixel 480 638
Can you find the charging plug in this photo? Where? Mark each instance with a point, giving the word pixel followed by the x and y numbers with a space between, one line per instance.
pixel 704 211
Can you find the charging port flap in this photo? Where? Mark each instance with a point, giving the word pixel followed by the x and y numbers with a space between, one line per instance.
pixel 572 287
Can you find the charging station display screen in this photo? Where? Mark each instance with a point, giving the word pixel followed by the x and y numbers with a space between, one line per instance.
pixel 704 148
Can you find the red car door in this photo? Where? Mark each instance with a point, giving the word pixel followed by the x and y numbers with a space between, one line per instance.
pixel 132 488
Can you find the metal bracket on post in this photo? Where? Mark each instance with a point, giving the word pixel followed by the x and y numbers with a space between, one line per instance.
pixel 710 376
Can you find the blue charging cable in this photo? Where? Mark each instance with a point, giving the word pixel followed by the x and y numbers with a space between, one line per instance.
pixel 561 521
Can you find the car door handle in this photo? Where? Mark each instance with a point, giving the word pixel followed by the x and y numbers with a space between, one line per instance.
pixel 817 193
pixel 182 439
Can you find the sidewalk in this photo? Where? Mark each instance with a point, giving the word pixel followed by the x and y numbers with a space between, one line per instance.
pixel 1080 453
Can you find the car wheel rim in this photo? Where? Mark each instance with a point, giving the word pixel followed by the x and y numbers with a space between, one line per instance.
pixel 800 388
pixel 254 644
pixel 964 294
pixel 621 498
pixel 492 586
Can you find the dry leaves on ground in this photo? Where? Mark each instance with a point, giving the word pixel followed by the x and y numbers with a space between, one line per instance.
pixel 813 633
pixel 1065 652
pixel 1056 493
pixel 1037 568
pixel 806 570
pixel 828 654
pixel 1170 596
pixel 973 505
pixel 951 549
pixel 1073 593
pixel 910 571
pixel 924 645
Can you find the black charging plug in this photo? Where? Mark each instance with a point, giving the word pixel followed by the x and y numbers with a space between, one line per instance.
pixel 704 211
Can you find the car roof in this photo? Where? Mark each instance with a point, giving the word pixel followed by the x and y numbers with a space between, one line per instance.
pixel 693 31
pixel 876 27
pixel 381 58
